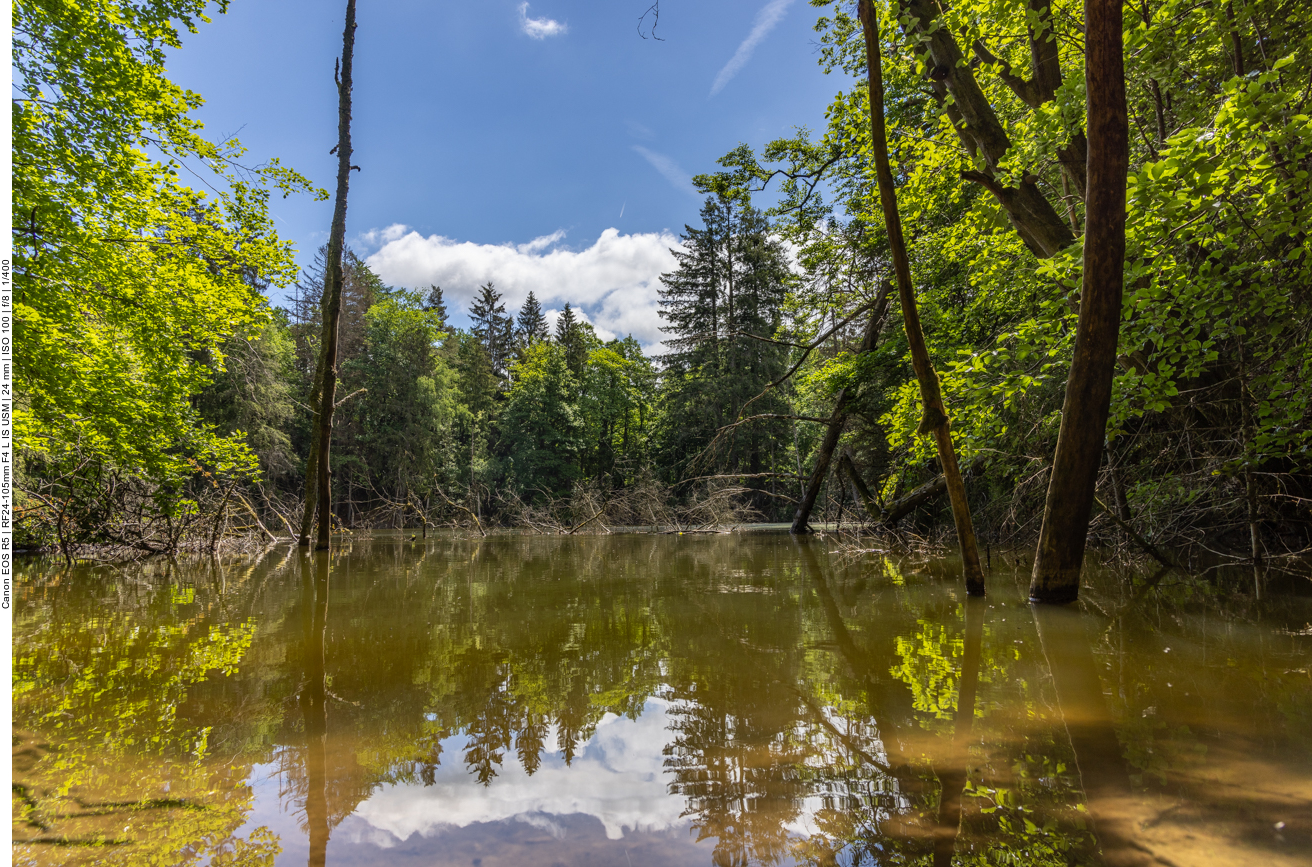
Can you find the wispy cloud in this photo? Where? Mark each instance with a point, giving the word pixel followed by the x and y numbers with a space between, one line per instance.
pixel 539 28
pixel 614 283
pixel 770 15
pixel 668 169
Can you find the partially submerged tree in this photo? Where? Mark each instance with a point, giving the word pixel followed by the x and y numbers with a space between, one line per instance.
pixel 1071 489
pixel 935 418
pixel 318 481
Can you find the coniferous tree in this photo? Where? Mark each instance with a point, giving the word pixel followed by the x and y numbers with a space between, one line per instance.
pixel 730 283
pixel 434 302
pixel 532 322
pixel 572 335
pixel 493 329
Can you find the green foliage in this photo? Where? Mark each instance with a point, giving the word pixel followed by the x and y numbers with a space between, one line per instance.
pixel 723 309
pixel 541 422
pixel 128 284
pixel 396 434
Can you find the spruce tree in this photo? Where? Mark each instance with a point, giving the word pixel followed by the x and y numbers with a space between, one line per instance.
pixel 729 283
pixel 493 328
pixel 570 335
pixel 532 323
pixel 434 302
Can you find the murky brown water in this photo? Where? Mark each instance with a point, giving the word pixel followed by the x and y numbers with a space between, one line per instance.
pixel 649 700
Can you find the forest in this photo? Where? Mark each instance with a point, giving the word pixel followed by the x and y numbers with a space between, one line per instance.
pixel 1045 272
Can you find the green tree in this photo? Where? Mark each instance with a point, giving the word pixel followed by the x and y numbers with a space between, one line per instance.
pixel 573 335
pixel 396 435
pixel 532 325
pixel 723 305
pixel 615 409
pixel 494 329
pixel 128 283
pixel 541 422
pixel 253 395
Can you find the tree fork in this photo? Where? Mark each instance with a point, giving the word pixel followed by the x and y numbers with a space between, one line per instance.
pixel 333 305
pixel 936 417
pixel 1056 576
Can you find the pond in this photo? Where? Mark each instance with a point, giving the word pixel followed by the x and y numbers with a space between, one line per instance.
pixel 651 700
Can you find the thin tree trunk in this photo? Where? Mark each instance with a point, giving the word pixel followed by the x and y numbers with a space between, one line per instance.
pixel 1056 576
pixel 836 421
pixel 333 307
pixel 1250 490
pixel 936 418
pixel 862 491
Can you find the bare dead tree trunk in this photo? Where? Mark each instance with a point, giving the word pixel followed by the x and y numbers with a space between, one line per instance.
pixel 936 418
pixel 1056 576
pixel 312 462
pixel 836 422
pixel 333 305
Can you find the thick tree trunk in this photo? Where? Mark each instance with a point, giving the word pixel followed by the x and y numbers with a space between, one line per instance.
pixel 1056 576
pixel 936 418
pixel 837 420
pixel 312 462
pixel 333 304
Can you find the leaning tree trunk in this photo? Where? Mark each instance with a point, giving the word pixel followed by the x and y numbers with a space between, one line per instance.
pixel 1056 576
pixel 332 307
pixel 936 418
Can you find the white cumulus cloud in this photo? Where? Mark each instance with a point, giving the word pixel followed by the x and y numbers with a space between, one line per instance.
pixel 770 15
pixel 539 28
pixel 614 282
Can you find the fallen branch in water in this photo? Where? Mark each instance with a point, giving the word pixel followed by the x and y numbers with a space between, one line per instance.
pixel 447 500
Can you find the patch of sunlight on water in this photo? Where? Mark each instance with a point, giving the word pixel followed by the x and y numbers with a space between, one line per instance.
pixel 647 700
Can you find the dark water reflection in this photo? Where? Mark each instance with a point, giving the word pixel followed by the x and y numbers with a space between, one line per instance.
pixel 728 700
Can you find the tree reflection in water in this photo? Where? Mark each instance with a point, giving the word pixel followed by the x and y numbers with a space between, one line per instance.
pixel 815 712
pixel 314 615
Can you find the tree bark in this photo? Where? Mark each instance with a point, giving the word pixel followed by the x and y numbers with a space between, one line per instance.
pixel 936 418
pixel 312 462
pixel 333 305
pixel 1056 576
pixel 836 421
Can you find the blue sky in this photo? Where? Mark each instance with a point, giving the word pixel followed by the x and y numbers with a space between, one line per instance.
pixel 544 146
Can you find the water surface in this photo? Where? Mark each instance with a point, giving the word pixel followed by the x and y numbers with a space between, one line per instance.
pixel 649 700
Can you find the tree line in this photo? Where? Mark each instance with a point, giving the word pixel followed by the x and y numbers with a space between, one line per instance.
pixel 1092 225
